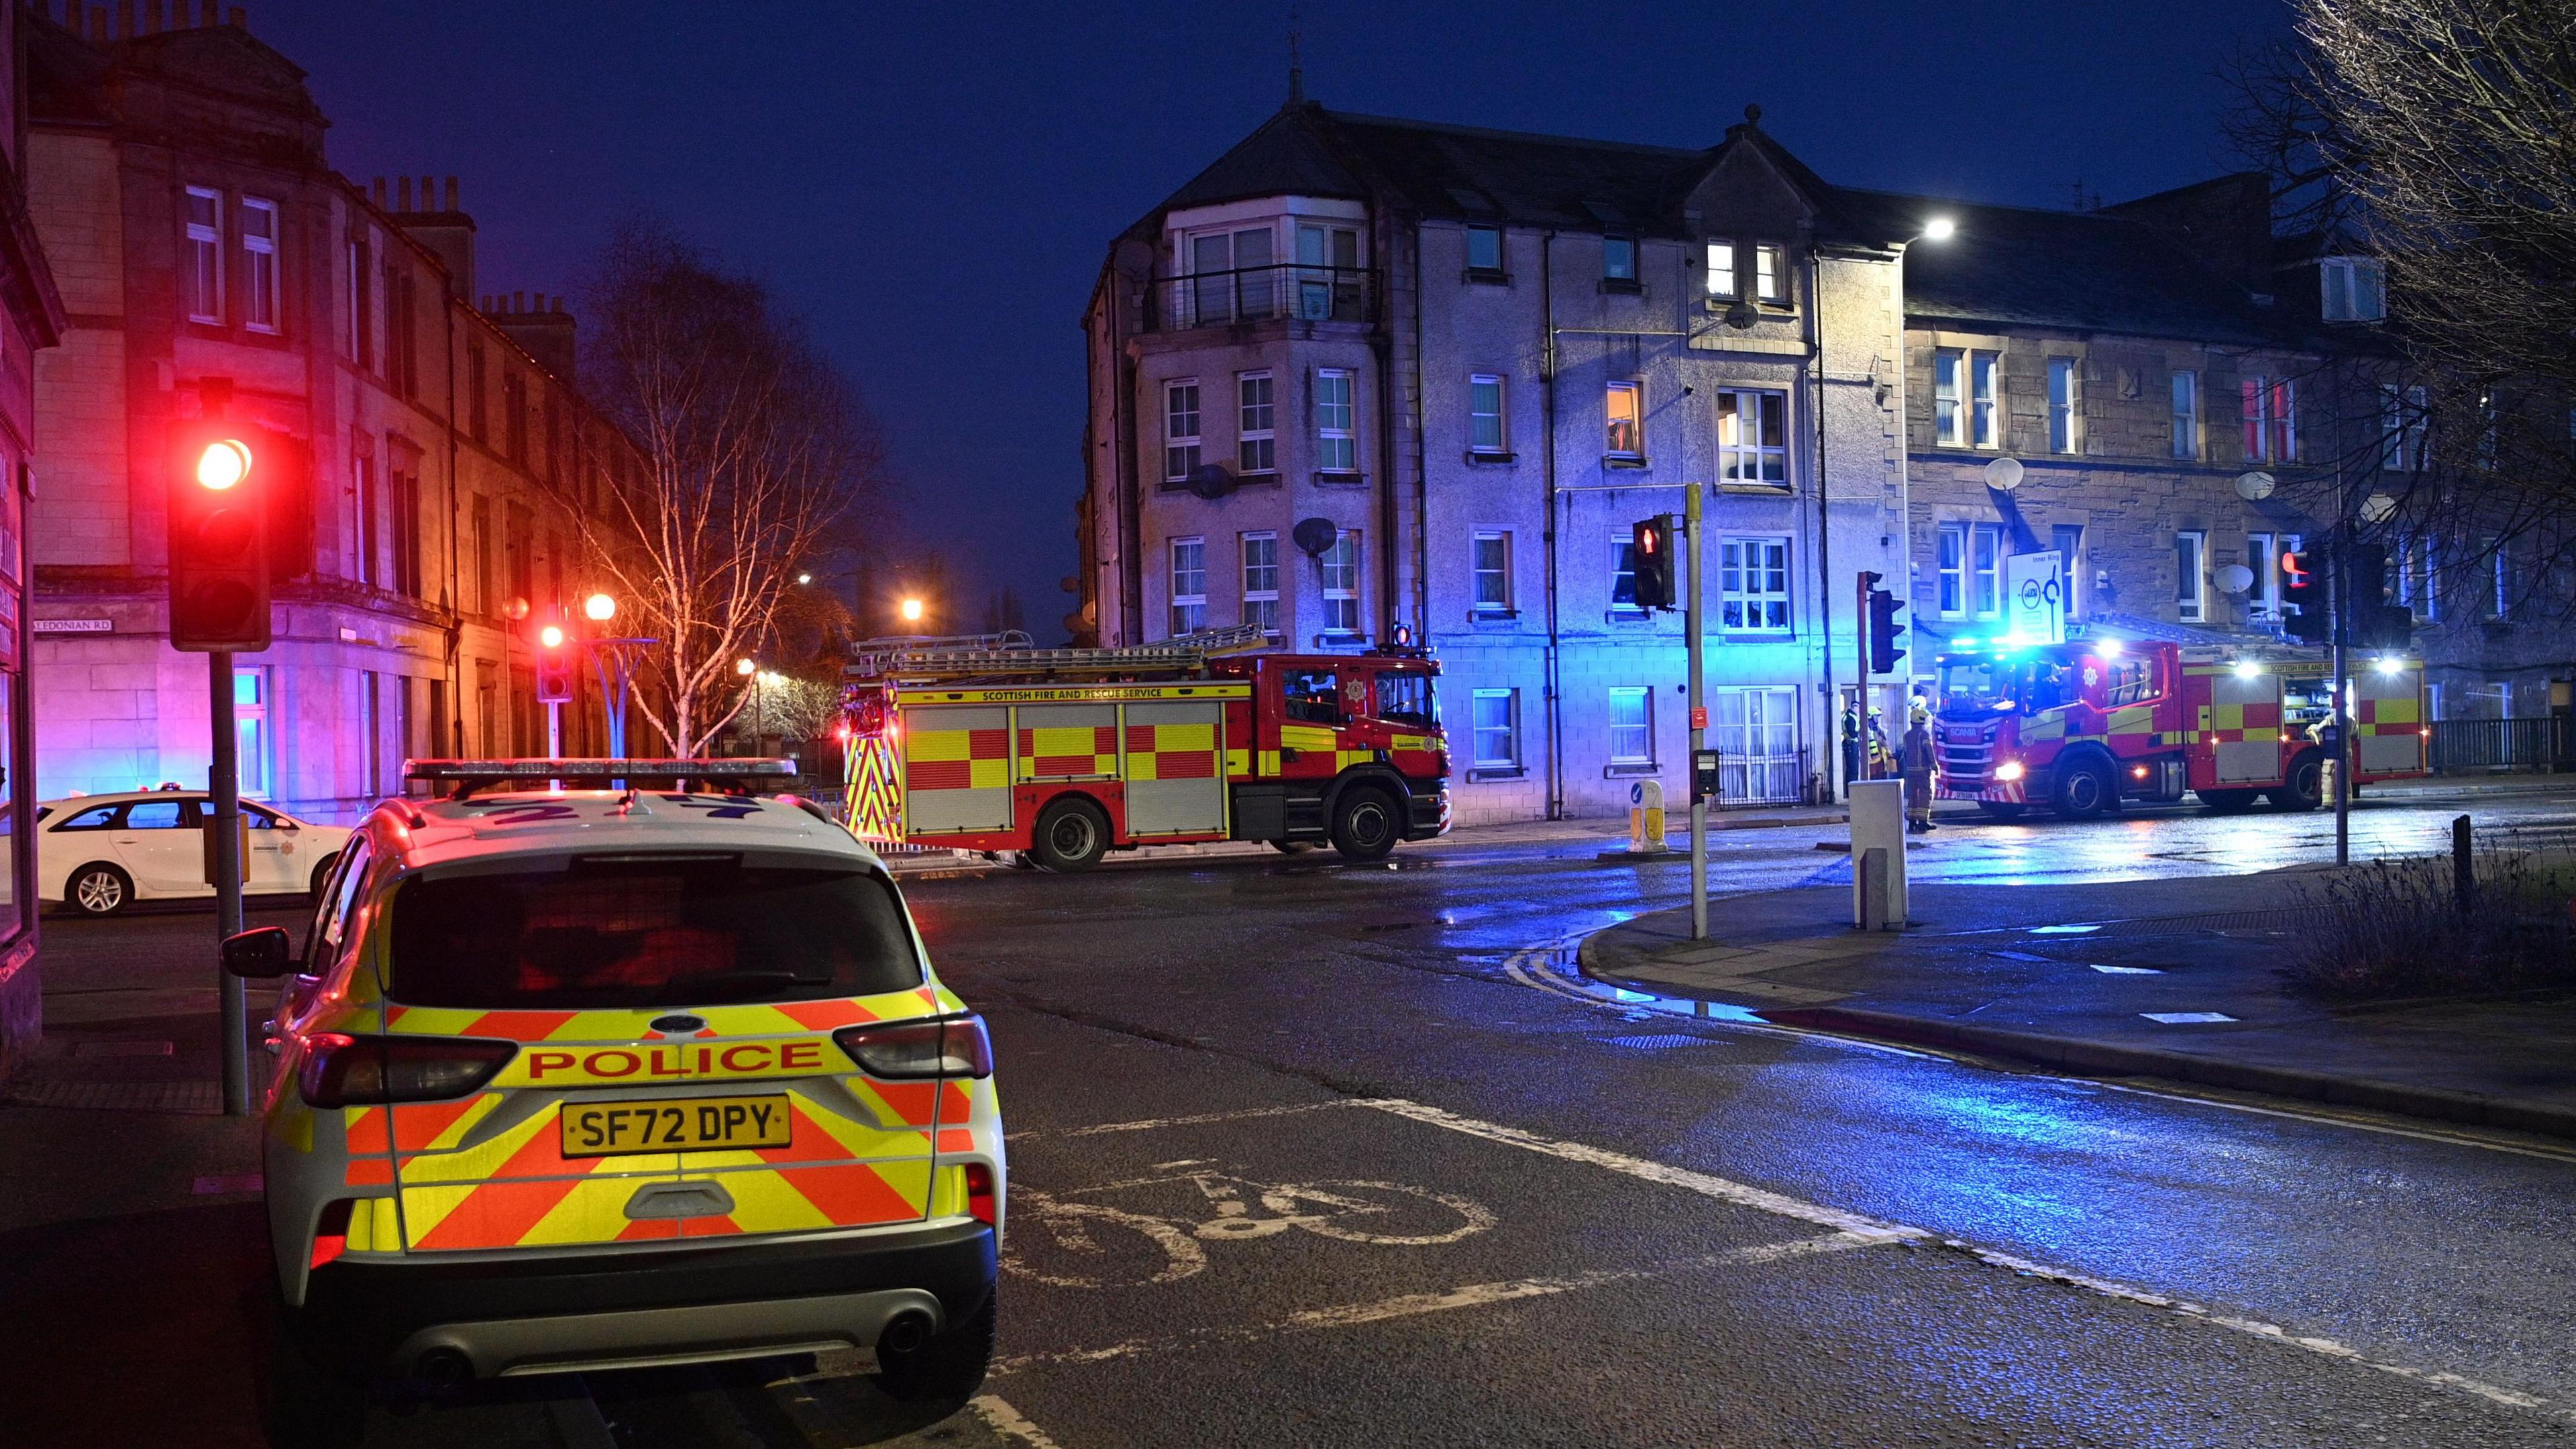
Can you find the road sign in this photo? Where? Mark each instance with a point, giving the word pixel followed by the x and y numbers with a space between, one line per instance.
pixel 2036 583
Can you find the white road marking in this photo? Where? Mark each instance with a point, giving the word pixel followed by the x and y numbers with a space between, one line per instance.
pixel 1008 1422
pixel 2129 970
pixel 1414 1305
pixel 2293 1114
pixel 1857 1225
pixel 1151 1124
pixel 2186 1018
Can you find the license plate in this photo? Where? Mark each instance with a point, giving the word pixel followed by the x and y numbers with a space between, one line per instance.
pixel 674 1124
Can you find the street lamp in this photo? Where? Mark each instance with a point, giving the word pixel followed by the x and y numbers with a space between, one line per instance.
pixel 744 667
pixel 599 608
pixel 804 578
pixel 912 611
pixel 1940 228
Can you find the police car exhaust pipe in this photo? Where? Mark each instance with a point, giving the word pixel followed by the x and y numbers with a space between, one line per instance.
pixel 444 1368
pixel 908 1331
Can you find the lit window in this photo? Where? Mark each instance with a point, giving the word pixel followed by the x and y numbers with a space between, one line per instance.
pixel 1485 414
pixel 1485 249
pixel 1626 410
pixel 1753 585
pixel 1619 259
pixel 1180 429
pixel 2404 419
pixel 205 275
pixel 251 730
pixel 1495 728
pixel 1970 570
pixel 1261 581
pixel 1493 568
pixel 2355 289
pixel 1721 269
pixel 1986 569
pixel 2061 405
pixel 1230 276
pixel 1750 443
pixel 2186 413
pixel 260 302
pixel 2271 420
pixel 1254 451
pixel 1341 570
pixel 2191 596
pixel 1982 429
pixel 1770 279
pixel 1623 575
pixel 2263 557
pixel 1632 727
pixel 1337 449
pixel 1963 398
pixel 1189 584
pixel 1947 419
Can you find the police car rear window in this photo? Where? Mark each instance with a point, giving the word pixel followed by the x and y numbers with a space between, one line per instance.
pixel 647 932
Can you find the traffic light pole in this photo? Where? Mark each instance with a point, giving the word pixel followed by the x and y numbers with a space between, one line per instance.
pixel 2339 608
pixel 223 784
pixel 1691 562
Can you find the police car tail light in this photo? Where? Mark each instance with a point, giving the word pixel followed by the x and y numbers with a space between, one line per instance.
pixel 331 1232
pixel 981 1204
pixel 340 1070
pixel 954 1047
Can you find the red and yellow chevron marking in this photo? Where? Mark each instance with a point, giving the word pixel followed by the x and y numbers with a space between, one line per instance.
pixel 2394 715
pixel 1056 752
pixel 2227 724
pixel 957 759
pixel 1171 752
pixel 875 789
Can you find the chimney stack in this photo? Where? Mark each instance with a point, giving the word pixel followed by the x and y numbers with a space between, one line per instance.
pixel 444 230
pixel 402 193
pixel 545 330
pixel 376 193
pixel 125 19
pixel 205 11
pixel 451 195
pixel 237 22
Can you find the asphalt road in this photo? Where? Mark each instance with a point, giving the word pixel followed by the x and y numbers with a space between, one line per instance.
pixel 1306 1153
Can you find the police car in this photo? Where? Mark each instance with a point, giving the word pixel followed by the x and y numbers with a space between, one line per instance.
pixel 581 1078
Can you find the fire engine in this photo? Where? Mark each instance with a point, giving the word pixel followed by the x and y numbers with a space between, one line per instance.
pixel 987 744
pixel 2080 726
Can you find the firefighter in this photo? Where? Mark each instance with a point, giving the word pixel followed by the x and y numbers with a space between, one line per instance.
pixel 1916 758
pixel 1882 759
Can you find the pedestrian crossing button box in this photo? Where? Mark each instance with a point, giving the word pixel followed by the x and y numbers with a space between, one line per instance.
pixel 1703 774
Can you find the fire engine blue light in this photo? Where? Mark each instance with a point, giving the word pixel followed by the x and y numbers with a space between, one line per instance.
pixel 2107 649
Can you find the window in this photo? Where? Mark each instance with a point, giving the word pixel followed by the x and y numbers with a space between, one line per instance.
pixel 2356 289
pixel 1756 737
pixel 1971 570
pixel 1406 699
pixel 2263 557
pixel 1261 581
pixel 1623 575
pixel 371 732
pixel 2271 420
pixel 1230 276
pixel 1341 569
pixel 1189 585
pixel 478 394
pixel 1180 429
pixel 1328 279
pixel 1721 269
pixel 1485 251
pixel 362 473
pixel 1963 399
pixel 2191 558
pixel 1982 429
pixel 1625 406
pixel 1632 726
pixel 480 511
pixel 1753 585
pixel 1493 568
pixel 1948 421
pixel 404 491
pixel 1770 275
pixel 2419 577
pixel 1495 729
pixel 2186 413
pixel 161 815
pixel 1619 261
pixel 514 415
pixel 2061 405
pixel 1254 447
pixel 205 275
pixel 1336 448
pixel 260 301
pixel 1750 446
pixel 251 731
pixel 1485 414
pixel 2068 540
pixel 519 550
pixel 2504 579
pixel 1312 695
pixel 356 338
pixel 2403 420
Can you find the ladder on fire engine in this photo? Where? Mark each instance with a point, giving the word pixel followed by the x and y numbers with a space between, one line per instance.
pixel 979 655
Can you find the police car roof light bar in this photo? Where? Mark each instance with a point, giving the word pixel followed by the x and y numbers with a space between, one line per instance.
pixel 728 776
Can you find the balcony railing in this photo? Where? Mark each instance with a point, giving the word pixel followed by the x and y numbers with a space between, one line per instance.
pixel 2466 745
pixel 1259 294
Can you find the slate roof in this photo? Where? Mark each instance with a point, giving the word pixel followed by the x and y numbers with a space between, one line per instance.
pixel 2007 265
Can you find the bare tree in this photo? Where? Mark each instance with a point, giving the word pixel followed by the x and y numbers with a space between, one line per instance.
pixel 754 459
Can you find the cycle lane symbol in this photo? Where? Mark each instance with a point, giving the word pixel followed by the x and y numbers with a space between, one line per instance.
pixel 1081 1241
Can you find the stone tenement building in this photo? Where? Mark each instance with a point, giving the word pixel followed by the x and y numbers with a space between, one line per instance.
pixel 1467 361
pixel 206 248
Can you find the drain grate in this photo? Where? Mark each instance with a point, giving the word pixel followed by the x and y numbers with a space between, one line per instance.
pixel 198 1097
pixel 1654 1043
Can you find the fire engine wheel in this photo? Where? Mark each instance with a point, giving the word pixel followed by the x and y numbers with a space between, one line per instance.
pixel 2085 790
pixel 2306 787
pixel 2229 802
pixel 1072 835
pixel 1365 825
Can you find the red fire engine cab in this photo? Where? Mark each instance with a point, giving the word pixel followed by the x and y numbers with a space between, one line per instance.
pixel 2079 727
pixel 1067 754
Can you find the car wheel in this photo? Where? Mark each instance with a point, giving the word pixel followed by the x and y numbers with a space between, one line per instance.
pixel 948 1368
pixel 2306 787
pixel 99 890
pixel 1365 825
pixel 304 1406
pixel 322 876
pixel 2229 802
pixel 2002 809
pixel 1072 835
pixel 2085 791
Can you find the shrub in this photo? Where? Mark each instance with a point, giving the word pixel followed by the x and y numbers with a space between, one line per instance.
pixel 2395 928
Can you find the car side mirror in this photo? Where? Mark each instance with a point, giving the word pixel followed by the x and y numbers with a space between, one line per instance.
pixel 259 952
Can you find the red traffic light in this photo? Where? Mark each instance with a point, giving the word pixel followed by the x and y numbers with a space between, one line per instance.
pixel 551 636
pixel 219 536
pixel 2291 571
pixel 222 463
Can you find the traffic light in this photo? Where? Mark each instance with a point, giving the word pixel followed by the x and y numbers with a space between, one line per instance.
pixel 1883 630
pixel 218 503
pixel 554 653
pixel 2303 587
pixel 1655 562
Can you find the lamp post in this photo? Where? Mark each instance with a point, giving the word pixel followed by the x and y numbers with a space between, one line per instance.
pixel 613 660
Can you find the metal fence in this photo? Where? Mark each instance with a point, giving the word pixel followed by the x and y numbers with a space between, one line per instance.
pixel 1252 294
pixel 2468 745
pixel 1744 781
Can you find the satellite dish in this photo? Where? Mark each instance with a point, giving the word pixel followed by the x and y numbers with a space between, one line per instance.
pixel 2004 474
pixel 1211 480
pixel 1742 316
pixel 2235 580
pixel 2378 508
pixel 1314 535
pixel 2254 487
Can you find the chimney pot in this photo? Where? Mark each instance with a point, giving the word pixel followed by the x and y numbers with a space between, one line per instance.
pixel 205 12
pixel 518 301
pixel 402 193
pixel 98 22
pixel 125 18
pixel 429 193
pixel 237 22
pixel 451 193
pixel 376 192
pixel 151 17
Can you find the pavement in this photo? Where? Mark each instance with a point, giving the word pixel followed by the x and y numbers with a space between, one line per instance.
pixel 2175 979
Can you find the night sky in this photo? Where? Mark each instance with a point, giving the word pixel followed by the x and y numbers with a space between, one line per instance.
pixel 935 186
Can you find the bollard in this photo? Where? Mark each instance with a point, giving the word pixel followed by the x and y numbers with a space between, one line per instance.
pixel 1872 871
pixel 1878 825
pixel 2464 872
